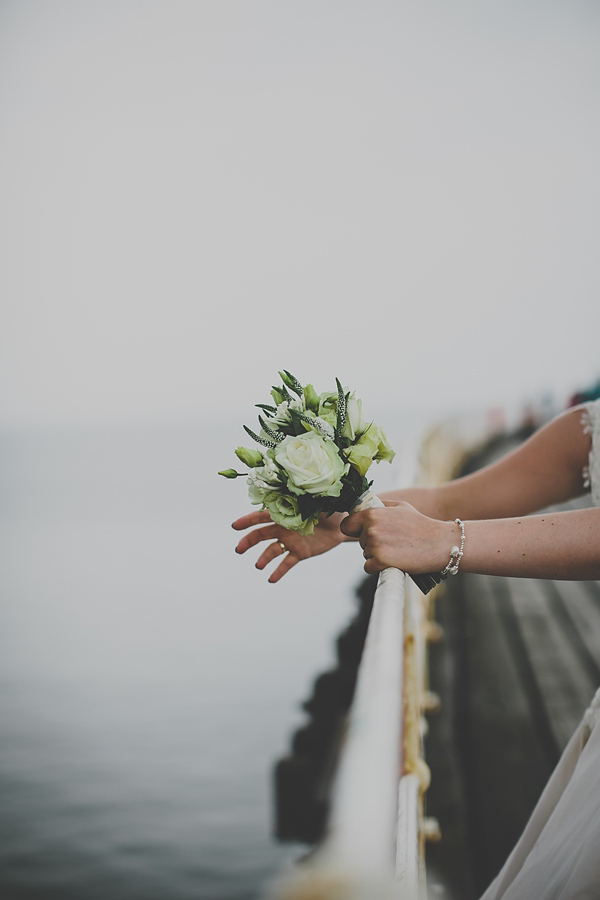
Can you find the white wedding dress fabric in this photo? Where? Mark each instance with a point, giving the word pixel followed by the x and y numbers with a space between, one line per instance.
pixel 558 855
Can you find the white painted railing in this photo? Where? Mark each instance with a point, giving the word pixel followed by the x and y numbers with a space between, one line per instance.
pixel 359 857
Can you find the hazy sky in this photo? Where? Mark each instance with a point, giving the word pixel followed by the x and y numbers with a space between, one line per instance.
pixel 195 194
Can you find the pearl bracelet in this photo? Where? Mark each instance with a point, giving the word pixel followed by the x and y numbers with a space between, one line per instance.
pixel 456 554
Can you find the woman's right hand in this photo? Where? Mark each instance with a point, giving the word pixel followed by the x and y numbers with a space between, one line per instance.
pixel 326 535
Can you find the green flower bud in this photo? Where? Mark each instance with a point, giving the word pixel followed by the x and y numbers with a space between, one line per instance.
pixel 291 382
pixel 354 424
pixel 231 473
pixel 250 458
pixel 311 398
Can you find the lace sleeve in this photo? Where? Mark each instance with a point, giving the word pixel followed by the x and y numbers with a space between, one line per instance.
pixel 590 422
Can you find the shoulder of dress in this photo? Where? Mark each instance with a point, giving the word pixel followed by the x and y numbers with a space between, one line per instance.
pixel 590 422
pixel 590 416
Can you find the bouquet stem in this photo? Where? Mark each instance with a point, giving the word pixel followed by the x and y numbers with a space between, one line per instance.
pixel 369 500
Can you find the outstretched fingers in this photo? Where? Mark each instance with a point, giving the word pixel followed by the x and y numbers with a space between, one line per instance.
pixel 273 551
pixel 254 518
pixel 287 563
pixel 256 536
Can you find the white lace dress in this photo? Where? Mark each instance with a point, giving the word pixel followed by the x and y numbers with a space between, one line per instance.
pixel 558 855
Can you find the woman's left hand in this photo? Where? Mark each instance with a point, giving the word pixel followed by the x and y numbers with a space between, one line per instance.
pixel 400 537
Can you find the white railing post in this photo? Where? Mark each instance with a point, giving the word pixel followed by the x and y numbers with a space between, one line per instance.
pixel 366 786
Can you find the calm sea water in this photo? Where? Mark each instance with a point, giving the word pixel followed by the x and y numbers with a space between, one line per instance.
pixel 149 676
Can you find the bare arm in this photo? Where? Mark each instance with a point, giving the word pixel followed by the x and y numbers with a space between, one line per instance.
pixel 545 470
pixel 417 538
pixel 564 545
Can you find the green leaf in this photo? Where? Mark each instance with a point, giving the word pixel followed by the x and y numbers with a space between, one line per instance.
pixel 270 410
pixel 296 422
pixel 308 505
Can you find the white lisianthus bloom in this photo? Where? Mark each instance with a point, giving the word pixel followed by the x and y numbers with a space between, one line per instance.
pixel 262 481
pixel 283 509
pixel 282 416
pixel 328 407
pixel 354 424
pixel 312 465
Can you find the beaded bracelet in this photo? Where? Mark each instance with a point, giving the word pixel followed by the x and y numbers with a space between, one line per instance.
pixel 456 554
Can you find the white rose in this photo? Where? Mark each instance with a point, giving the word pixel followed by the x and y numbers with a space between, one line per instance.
pixel 312 465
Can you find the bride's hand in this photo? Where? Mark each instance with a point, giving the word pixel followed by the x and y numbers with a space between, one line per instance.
pixel 326 535
pixel 400 537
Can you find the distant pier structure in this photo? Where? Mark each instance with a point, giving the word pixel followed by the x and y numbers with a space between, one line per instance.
pixel 518 665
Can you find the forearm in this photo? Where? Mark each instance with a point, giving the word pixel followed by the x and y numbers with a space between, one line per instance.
pixel 446 501
pixel 430 501
pixel 562 545
pixel 545 470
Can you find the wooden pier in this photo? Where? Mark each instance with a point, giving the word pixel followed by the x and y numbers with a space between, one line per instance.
pixel 519 664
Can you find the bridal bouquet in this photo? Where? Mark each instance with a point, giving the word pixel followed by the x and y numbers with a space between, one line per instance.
pixel 314 452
